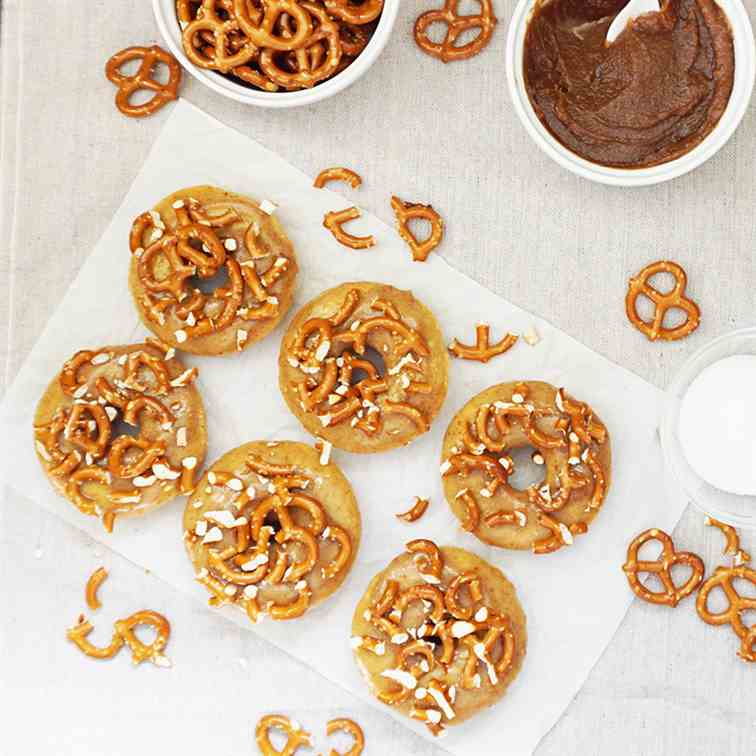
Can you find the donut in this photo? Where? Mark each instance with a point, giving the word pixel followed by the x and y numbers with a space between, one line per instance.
pixel 364 366
pixel 211 271
pixel 121 430
pixel 439 634
pixel 568 440
pixel 272 528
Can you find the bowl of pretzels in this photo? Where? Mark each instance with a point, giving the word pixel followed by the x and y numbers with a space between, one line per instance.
pixel 276 53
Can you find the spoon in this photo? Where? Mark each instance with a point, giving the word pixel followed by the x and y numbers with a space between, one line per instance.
pixel 632 10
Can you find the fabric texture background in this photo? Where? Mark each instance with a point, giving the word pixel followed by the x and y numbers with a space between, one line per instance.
pixel 516 222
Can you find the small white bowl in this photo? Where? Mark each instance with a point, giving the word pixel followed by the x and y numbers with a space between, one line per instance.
pixel 745 74
pixel 165 15
pixel 737 510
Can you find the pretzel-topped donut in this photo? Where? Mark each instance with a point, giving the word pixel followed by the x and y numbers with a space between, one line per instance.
pixel 263 537
pixel 330 382
pixel 203 233
pixel 571 445
pixel 438 630
pixel 103 470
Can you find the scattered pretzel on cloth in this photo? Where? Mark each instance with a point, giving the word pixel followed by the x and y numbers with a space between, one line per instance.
pixel 272 530
pixel 483 350
pixel 81 439
pixel 123 634
pixel 456 25
pixel 673 300
pixel 439 634
pixel 737 605
pixel 571 446
pixel 406 212
pixel 279 45
pixel 671 594
pixel 334 222
pixel 364 367
pixel 143 80
pixel 200 234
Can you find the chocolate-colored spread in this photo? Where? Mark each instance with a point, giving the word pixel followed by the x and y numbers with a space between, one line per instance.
pixel 649 97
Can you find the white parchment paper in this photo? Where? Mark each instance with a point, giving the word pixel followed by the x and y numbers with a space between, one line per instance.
pixel 574 599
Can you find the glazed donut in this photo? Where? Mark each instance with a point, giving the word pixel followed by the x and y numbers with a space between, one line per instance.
pixel 273 528
pixel 364 366
pixel 439 634
pixel 82 423
pixel 568 439
pixel 183 246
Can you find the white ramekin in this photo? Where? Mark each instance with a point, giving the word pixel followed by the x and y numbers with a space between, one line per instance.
pixel 745 74
pixel 165 15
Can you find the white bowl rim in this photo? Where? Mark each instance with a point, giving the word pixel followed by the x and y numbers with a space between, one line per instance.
pixel 165 16
pixel 745 76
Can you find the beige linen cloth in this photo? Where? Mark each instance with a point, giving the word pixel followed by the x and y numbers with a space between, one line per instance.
pixel 542 238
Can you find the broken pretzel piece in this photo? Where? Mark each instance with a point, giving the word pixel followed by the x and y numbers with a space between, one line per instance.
pixel 406 212
pixel 334 221
pixel 483 350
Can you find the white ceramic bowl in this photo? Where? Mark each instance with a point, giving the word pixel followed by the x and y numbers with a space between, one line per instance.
pixel 745 73
pixel 734 509
pixel 165 15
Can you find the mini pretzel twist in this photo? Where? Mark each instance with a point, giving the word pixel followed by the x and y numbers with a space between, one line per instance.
pixel 675 299
pixel 337 174
pixel 672 594
pixel 316 59
pixel 483 350
pixel 723 578
pixel 143 79
pixel 456 24
pixel 334 221
pixel 263 30
pixel 216 50
pixel 358 14
pixel 352 728
pixel 405 212
pixel 295 735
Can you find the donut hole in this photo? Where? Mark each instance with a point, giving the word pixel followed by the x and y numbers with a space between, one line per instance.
pixel 526 472
pixel 374 357
pixel 209 285
pixel 119 427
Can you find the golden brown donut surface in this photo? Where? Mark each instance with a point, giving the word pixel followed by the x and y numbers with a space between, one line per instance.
pixel 121 430
pixel 211 271
pixel 568 440
pixel 364 366
pixel 439 634
pixel 271 530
